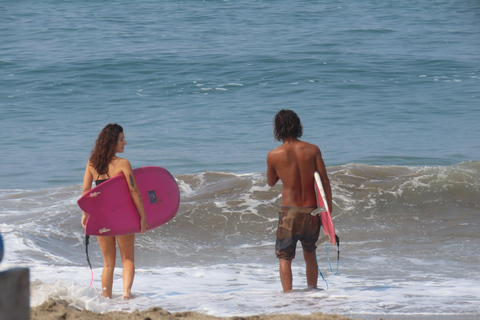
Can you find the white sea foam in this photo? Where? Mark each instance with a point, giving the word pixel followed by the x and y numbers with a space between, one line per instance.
pixel 228 290
pixel 185 189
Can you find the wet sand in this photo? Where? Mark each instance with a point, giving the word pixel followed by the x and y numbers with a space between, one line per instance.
pixel 59 310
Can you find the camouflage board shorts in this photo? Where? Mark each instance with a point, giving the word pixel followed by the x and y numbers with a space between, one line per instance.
pixel 295 223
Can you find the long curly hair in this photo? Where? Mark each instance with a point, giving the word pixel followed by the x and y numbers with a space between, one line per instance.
pixel 287 125
pixel 105 146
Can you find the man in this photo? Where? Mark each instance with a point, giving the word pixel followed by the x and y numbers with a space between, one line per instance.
pixel 295 162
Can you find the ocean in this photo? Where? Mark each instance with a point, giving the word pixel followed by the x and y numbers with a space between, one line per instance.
pixel 389 91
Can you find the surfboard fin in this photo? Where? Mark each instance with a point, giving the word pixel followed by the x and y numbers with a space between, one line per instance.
pixel 318 211
pixel 323 239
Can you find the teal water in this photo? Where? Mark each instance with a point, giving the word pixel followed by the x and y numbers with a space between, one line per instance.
pixel 389 91
pixel 197 84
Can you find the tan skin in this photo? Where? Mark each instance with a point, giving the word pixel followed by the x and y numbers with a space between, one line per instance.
pixel 126 242
pixel 295 162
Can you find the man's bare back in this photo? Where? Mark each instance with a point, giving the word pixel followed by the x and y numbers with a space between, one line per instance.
pixel 295 162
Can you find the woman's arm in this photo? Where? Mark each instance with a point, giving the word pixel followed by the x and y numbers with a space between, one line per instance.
pixel 135 193
pixel 87 185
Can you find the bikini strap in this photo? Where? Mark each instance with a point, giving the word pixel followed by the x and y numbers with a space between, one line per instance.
pixel 99 176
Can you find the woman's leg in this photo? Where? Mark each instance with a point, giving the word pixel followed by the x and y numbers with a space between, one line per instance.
pixel 109 252
pixel 126 246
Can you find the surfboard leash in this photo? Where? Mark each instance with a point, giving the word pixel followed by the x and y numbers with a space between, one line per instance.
pixel 87 237
pixel 319 271
pixel 337 240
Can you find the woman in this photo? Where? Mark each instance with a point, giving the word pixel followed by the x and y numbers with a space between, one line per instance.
pixel 102 165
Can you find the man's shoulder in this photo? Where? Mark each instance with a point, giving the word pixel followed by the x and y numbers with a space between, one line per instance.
pixel 282 149
pixel 275 152
pixel 308 146
pixel 278 155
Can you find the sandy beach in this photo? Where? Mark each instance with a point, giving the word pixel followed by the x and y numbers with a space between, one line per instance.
pixel 53 310
pixel 59 310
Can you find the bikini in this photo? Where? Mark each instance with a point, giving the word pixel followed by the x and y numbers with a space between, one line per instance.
pixel 98 181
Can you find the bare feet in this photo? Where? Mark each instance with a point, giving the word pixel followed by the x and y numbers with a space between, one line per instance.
pixel 127 296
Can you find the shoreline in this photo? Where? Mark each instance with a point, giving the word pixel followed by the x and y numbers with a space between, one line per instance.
pixel 59 310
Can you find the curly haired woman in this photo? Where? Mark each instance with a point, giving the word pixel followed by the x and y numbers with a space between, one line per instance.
pixel 103 164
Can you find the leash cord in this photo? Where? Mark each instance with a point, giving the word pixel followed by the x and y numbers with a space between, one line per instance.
pixel 337 239
pixel 320 270
pixel 87 237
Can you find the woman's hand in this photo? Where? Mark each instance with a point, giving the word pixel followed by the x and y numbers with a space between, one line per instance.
pixel 84 219
pixel 143 225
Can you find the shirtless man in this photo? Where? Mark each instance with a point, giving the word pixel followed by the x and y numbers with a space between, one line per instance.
pixel 295 162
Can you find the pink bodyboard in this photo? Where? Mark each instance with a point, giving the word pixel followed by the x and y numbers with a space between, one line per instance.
pixel 111 209
pixel 322 204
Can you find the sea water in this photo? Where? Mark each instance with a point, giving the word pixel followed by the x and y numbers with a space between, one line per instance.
pixel 388 91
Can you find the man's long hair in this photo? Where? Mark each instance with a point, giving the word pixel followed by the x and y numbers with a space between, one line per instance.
pixel 105 147
pixel 287 125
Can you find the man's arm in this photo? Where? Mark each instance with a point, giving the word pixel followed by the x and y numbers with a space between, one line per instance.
pixel 272 176
pixel 322 170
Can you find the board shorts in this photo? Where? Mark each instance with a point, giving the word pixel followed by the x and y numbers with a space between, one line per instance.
pixel 296 223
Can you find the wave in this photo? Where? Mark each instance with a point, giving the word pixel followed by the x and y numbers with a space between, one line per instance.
pixel 223 212
pixel 366 187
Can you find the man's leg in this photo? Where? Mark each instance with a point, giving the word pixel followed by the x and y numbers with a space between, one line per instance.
pixel 286 274
pixel 312 268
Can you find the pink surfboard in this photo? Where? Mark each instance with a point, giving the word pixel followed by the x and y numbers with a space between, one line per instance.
pixel 327 223
pixel 111 209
